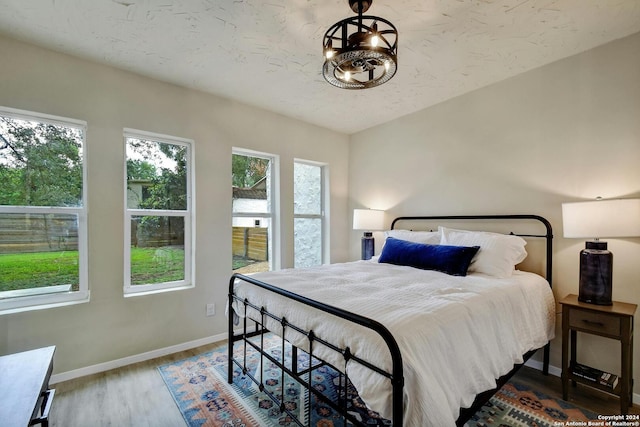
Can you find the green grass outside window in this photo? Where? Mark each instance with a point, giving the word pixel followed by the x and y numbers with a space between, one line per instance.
pixel 41 269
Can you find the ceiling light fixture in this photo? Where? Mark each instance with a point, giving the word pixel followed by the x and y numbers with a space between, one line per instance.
pixel 360 52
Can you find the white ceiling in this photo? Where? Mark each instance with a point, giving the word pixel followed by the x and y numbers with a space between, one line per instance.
pixel 268 53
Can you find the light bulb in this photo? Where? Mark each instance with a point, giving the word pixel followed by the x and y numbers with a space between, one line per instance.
pixel 347 75
pixel 386 65
pixel 374 35
pixel 328 50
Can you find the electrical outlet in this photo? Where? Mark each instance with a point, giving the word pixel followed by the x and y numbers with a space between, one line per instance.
pixel 211 309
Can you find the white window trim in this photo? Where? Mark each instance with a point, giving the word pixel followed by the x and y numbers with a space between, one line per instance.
pixel 50 300
pixel 324 203
pixel 188 214
pixel 274 206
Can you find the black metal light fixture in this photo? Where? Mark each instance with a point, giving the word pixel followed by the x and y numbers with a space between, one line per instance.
pixel 360 52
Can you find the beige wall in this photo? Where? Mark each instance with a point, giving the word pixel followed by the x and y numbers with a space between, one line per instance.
pixel 111 327
pixel 564 132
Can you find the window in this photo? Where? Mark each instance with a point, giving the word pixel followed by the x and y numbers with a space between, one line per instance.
pixel 253 176
pixel 158 213
pixel 308 213
pixel 43 227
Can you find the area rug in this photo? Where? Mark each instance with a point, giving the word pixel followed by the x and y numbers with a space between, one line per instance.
pixel 200 389
pixel 518 405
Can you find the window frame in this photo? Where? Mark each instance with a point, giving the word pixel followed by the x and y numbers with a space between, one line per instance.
pixel 324 185
pixel 49 300
pixel 273 217
pixel 188 214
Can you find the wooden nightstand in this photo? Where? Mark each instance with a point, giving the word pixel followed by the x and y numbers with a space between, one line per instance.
pixel 611 321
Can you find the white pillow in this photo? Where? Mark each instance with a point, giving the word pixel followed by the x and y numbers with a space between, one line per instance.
pixel 498 254
pixel 426 237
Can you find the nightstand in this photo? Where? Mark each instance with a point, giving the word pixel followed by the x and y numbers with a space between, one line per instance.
pixel 611 321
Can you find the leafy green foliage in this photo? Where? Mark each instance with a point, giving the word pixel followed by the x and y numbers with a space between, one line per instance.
pixel 140 170
pixel 247 171
pixel 40 164
pixel 162 170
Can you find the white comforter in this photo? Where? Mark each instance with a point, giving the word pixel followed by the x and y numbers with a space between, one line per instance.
pixel 456 334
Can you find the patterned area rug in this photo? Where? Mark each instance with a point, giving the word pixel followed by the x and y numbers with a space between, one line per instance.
pixel 517 405
pixel 200 389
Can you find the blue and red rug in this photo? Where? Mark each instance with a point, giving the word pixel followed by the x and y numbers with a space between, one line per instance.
pixel 518 405
pixel 200 389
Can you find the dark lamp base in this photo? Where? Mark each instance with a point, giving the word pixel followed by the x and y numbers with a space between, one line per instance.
pixel 596 264
pixel 595 301
pixel 367 245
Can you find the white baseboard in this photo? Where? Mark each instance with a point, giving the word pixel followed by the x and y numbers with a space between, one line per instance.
pixel 557 372
pixel 118 363
pixel 537 364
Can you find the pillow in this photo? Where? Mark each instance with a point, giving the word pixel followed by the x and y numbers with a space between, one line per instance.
pixel 452 260
pixel 498 255
pixel 430 237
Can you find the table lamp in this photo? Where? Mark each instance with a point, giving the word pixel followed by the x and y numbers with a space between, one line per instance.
pixel 597 219
pixel 368 220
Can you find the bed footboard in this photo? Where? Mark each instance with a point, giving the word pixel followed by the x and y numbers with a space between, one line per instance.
pixel 256 328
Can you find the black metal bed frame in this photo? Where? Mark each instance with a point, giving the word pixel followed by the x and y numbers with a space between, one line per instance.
pixel 395 376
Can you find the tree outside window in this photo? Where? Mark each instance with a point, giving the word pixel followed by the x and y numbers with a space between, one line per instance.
pixel 42 212
pixel 158 212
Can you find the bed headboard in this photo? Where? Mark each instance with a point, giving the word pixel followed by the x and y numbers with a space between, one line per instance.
pixel 529 227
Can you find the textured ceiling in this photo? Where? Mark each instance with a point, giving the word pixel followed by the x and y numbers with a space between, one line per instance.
pixel 268 53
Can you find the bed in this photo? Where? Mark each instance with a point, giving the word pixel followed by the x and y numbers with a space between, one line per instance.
pixel 423 346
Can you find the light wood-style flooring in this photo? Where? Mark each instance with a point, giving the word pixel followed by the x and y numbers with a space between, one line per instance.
pixel 136 396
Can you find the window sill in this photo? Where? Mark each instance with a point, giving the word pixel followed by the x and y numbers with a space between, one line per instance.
pixel 129 293
pixel 34 291
pixel 42 301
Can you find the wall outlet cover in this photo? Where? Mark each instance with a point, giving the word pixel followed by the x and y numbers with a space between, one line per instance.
pixel 211 309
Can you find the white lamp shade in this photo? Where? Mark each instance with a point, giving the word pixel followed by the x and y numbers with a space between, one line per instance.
pixel 368 219
pixel 602 218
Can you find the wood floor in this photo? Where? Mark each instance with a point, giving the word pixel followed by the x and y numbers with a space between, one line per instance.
pixel 136 396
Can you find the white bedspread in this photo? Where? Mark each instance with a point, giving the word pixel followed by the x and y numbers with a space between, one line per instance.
pixel 456 334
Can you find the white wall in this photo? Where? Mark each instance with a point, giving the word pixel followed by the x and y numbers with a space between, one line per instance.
pixel 564 132
pixel 111 327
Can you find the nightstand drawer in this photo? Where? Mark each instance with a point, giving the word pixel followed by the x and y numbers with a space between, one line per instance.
pixel 596 322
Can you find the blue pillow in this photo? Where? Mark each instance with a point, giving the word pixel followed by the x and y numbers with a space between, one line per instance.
pixel 452 260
